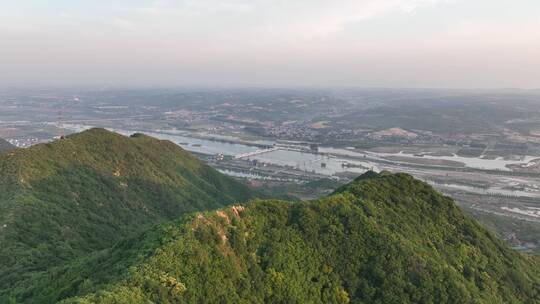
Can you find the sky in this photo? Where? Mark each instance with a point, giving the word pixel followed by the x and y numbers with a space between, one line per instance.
pixel 358 43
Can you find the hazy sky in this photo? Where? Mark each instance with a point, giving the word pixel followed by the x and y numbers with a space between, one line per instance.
pixel 389 43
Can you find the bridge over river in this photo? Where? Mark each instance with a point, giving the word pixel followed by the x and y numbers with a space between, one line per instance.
pixel 258 152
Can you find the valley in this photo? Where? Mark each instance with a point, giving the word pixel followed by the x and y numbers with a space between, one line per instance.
pixel 490 165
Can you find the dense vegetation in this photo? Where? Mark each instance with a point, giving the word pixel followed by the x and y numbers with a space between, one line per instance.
pixel 85 193
pixel 5 146
pixel 384 238
pixel 78 225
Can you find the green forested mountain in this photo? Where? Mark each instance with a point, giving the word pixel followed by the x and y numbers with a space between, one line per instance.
pixel 384 238
pixel 103 218
pixel 85 193
pixel 5 146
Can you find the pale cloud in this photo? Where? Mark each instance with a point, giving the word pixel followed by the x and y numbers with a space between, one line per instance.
pixel 123 23
pixel 301 19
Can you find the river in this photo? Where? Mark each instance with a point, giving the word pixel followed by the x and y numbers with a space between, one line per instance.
pixel 329 162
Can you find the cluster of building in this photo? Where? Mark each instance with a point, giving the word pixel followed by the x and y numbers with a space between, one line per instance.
pixel 293 130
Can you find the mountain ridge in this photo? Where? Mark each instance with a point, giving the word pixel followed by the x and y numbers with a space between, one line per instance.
pixel 64 199
pixel 362 244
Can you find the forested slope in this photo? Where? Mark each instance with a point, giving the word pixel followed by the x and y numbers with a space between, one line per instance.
pixel 66 199
pixel 384 238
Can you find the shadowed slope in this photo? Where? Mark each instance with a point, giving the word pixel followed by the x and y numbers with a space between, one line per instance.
pixel 5 146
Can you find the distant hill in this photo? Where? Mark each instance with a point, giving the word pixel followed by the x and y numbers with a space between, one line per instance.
pixel 5 146
pixel 384 238
pixel 65 199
